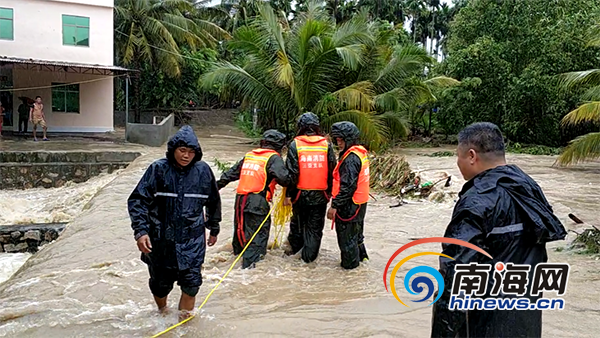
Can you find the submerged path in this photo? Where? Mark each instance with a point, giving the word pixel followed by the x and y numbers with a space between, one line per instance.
pixel 91 283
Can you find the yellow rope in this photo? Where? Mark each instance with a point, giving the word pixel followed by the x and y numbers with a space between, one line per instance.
pixel 222 278
pixel 281 216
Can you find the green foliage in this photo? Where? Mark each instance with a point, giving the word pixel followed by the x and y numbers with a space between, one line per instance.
pixel 443 153
pixel 160 90
pixel 518 148
pixel 222 166
pixel 244 122
pixel 588 241
pixel 586 147
pixel 354 71
pixel 150 33
pixel 507 53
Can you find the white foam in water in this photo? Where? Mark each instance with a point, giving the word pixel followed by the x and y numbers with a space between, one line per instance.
pixel 10 263
pixel 53 205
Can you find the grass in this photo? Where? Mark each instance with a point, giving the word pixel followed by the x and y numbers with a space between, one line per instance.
pixel 517 148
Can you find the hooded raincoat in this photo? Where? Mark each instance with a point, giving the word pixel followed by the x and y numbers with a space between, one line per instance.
pixel 504 212
pixel 350 217
pixel 252 209
pixel 175 206
pixel 309 206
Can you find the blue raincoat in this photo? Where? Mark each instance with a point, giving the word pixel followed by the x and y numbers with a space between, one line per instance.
pixel 170 203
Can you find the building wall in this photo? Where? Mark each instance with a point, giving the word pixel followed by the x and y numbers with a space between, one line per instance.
pixel 37 26
pixel 95 100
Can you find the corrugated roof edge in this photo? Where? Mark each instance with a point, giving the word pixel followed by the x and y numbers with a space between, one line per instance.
pixel 7 59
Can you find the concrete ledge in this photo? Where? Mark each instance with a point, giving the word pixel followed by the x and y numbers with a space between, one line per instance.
pixel 30 169
pixel 154 135
pixel 27 238
pixel 44 157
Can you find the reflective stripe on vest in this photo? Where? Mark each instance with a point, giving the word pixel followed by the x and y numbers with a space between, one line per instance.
pixel 312 162
pixel 361 195
pixel 253 177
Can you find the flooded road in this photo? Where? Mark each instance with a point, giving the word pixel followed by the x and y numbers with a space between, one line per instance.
pixel 91 283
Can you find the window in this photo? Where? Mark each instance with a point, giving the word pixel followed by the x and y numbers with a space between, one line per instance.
pixel 76 30
pixel 6 24
pixel 65 98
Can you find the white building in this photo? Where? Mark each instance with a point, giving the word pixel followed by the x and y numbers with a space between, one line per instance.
pixel 61 50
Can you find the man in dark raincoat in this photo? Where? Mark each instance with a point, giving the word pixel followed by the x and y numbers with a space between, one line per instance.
pixel 350 194
pixel 170 208
pixel 258 172
pixel 503 211
pixel 310 161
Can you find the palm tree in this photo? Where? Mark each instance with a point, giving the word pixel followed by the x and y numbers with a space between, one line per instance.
pixel 346 72
pixel 586 147
pixel 148 34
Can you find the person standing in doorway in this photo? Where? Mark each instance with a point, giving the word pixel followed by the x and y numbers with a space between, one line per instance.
pixel 503 211
pixel 171 208
pixel 24 109
pixel 37 117
pixel 350 194
pixel 310 161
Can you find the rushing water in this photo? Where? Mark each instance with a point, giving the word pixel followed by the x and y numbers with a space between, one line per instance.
pixel 44 206
pixel 91 283
pixel 10 263
pixel 52 205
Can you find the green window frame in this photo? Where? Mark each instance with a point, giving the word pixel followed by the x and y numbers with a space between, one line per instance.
pixel 6 24
pixel 65 98
pixel 76 30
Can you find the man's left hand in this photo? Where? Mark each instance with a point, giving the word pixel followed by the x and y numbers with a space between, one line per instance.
pixel 211 240
pixel 331 213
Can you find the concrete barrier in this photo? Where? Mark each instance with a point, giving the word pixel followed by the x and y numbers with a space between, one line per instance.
pixel 154 135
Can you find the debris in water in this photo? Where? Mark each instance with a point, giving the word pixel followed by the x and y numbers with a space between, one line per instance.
pixel 588 240
pixel 391 174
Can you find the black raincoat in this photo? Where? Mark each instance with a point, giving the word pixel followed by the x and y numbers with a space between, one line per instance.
pixel 309 208
pixel 350 217
pixel 504 212
pixel 170 203
pixel 255 209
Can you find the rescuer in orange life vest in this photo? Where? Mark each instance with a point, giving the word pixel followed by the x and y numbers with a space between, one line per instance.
pixel 310 161
pixel 258 172
pixel 350 194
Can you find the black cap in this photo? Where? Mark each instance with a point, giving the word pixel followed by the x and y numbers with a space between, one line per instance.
pixel 345 130
pixel 274 138
pixel 308 120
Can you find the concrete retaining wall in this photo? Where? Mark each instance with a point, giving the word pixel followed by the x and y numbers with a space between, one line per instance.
pixel 27 238
pixel 154 135
pixel 24 170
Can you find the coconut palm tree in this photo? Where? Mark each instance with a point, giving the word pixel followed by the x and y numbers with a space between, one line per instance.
pixel 586 147
pixel 346 72
pixel 150 32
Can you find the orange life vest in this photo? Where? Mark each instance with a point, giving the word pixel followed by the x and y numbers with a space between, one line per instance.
pixel 312 162
pixel 361 195
pixel 253 178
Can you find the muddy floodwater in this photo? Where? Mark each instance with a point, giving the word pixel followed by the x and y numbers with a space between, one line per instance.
pixel 91 283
